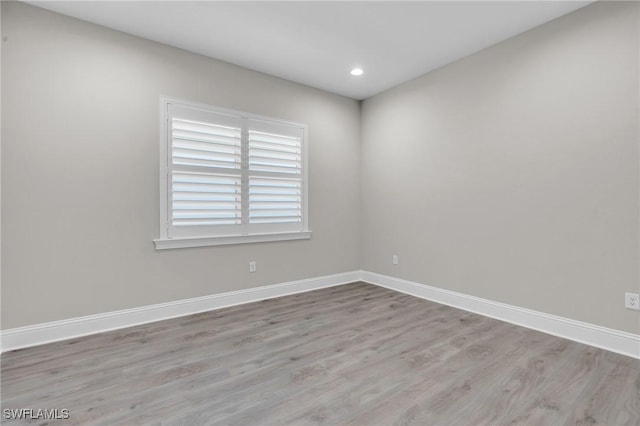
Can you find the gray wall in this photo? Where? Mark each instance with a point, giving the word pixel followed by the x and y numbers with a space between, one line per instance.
pixel 80 172
pixel 512 174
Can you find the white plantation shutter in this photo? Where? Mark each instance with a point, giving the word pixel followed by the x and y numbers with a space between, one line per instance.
pixel 202 144
pixel 206 199
pixel 231 174
pixel 206 172
pixel 275 200
pixel 269 152
pixel 275 174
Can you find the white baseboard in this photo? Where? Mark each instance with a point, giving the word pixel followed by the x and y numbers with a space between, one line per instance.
pixel 590 334
pixel 39 334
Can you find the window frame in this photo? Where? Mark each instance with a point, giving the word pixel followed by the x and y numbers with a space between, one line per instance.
pixel 260 233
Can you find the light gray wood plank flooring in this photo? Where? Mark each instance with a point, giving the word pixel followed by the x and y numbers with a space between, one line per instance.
pixel 354 355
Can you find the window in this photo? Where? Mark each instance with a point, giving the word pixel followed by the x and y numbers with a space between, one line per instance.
pixel 228 177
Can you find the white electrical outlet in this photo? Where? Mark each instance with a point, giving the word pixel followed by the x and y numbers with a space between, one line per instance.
pixel 394 259
pixel 253 266
pixel 632 301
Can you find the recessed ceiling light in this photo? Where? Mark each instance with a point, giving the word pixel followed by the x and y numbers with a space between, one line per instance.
pixel 357 71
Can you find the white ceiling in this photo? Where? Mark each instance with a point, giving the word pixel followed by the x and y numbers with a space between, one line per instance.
pixel 317 43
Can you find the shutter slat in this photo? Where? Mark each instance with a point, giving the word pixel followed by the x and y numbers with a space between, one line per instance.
pixel 276 220
pixel 274 205
pixel 205 205
pixel 268 161
pixel 273 191
pixel 200 222
pixel 274 139
pixel 205 163
pixel 281 183
pixel 275 169
pixel 194 187
pixel 273 198
pixel 205 128
pixel 275 148
pixel 205 155
pixel 211 197
pixel 204 214
pixel 205 138
pixel 204 179
pixel 274 213
pixel 259 153
pixel 205 146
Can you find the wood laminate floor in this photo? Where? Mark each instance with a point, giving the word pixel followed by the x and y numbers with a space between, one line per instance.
pixel 354 355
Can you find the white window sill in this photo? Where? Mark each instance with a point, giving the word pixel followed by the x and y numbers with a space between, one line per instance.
pixel 174 243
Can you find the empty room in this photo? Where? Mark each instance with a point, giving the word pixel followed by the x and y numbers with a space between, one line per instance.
pixel 343 213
